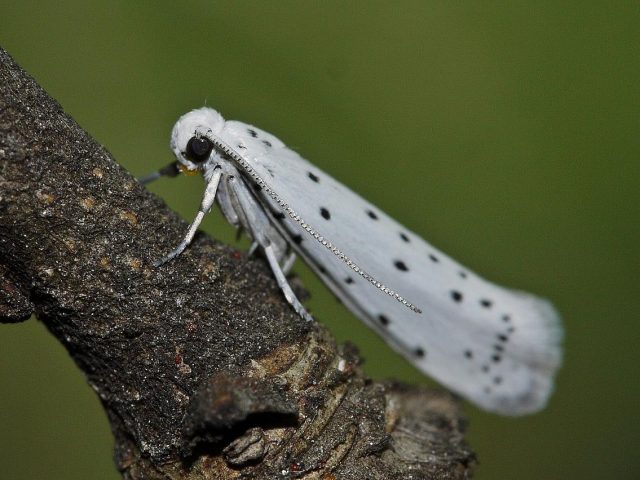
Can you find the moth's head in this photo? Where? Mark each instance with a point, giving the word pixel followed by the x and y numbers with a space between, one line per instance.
pixel 189 140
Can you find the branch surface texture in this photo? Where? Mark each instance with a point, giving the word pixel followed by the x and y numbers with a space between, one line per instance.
pixel 203 368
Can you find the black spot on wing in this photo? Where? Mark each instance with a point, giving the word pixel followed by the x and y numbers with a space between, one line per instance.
pixel 325 213
pixel 456 296
pixel 419 352
pixel 384 320
pixel 433 258
pixel 400 265
pixel 468 354
pixel 372 214
pixel 348 280
pixel 297 239
pixel 252 132
pixel 267 143
pixel 486 303
pixel 313 177
pixel 279 215
pixel 404 237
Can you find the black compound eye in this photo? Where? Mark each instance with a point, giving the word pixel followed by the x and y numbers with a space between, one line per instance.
pixel 198 149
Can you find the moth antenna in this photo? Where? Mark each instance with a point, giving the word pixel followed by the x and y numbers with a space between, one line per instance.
pixel 308 228
pixel 170 170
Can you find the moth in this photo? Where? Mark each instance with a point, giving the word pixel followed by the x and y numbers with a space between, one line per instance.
pixel 497 347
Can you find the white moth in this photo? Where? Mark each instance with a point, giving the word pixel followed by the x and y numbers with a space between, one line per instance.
pixel 497 347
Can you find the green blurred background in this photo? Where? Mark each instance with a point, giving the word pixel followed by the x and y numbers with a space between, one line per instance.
pixel 507 133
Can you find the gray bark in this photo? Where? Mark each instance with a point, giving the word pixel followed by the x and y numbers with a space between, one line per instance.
pixel 204 370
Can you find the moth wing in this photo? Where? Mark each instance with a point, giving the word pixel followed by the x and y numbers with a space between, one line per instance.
pixel 497 347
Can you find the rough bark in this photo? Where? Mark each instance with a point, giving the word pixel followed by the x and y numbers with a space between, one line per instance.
pixel 204 370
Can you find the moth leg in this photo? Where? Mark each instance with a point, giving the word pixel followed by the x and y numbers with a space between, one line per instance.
pixel 287 265
pixel 170 170
pixel 284 285
pixel 267 237
pixel 205 205
pixel 252 249
pixel 235 203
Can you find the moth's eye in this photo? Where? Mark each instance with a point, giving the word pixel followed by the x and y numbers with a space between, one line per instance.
pixel 198 149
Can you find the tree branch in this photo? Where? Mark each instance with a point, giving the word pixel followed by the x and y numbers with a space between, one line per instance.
pixel 204 370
